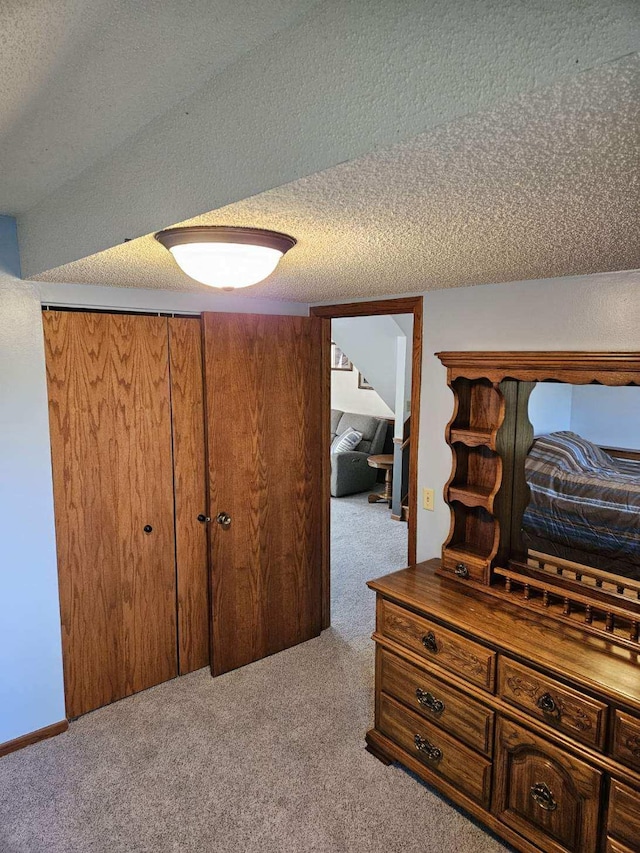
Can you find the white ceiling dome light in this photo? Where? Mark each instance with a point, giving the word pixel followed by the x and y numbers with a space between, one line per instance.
pixel 224 257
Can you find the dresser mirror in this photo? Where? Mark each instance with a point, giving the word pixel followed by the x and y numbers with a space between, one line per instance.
pixel 582 471
pixel 545 485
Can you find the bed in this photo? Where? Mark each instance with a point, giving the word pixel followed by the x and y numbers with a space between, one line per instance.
pixel 585 504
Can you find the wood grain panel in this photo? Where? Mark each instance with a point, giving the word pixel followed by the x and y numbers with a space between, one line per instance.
pixel 187 416
pixel 111 455
pixel 374 307
pixel 468 770
pixel 626 739
pixel 565 815
pixel 325 400
pixel 264 435
pixel 384 749
pixel 441 647
pixel 575 655
pixel 560 707
pixel 416 390
pixel 78 374
pixel 436 700
pixel 624 814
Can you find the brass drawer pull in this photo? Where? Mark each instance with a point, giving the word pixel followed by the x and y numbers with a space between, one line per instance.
pixel 461 570
pixel 547 704
pixel 429 642
pixel 428 700
pixel 541 794
pixel 428 749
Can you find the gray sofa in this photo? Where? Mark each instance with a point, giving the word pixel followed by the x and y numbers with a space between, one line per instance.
pixel 349 471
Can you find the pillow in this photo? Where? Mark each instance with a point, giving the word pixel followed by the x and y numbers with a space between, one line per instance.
pixel 348 440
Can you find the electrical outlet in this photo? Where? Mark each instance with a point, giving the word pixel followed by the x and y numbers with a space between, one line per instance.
pixel 427 499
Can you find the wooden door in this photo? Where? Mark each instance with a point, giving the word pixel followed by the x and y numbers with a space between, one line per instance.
pixel 187 417
pixel 264 438
pixel 110 421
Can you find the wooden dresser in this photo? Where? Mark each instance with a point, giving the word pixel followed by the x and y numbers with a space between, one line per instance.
pixel 531 725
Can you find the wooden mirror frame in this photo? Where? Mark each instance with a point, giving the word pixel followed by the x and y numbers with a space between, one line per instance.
pixel 490 435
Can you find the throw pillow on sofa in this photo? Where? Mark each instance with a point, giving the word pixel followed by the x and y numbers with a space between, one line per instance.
pixel 348 440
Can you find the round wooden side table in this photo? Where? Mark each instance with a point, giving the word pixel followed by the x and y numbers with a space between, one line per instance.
pixel 384 461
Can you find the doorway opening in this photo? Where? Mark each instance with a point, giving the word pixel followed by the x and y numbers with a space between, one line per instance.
pixel 372 365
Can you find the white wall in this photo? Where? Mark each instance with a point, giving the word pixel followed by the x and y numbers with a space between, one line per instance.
pixel 607 416
pixel 370 344
pixel 550 407
pixel 346 396
pixel 31 694
pixel 403 385
pixel 31 686
pixel 600 312
pixel 405 321
pixel 143 299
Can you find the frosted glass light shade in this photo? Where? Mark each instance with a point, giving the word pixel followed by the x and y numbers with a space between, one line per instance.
pixel 227 258
pixel 226 265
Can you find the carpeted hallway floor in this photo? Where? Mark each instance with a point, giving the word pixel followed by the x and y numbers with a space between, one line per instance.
pixel 267 759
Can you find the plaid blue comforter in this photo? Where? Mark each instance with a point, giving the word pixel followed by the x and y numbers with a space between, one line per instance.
pixel 582 498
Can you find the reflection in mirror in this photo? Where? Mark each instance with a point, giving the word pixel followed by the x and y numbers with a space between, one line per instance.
pixel 583 472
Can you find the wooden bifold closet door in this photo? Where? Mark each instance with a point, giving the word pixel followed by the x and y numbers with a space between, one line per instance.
pixel 112 379
pixel 265 449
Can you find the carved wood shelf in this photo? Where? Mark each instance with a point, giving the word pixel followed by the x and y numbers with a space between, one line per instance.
pixel 473 437
pixel 471 496
pixel 476 477
pixel 577 368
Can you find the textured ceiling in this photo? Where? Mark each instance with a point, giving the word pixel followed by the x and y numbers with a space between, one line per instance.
pixel 78 77
pixel 546 185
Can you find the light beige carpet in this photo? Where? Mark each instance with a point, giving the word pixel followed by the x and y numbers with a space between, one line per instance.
pixel 267 759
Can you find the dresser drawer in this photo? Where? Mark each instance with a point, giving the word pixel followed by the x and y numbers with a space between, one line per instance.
pixel 441 646
pixel 544 793
pixel 465 566
pixel 624 814
pixel 573 713
pixel 438 702
pixel 440 752
pixel 626 739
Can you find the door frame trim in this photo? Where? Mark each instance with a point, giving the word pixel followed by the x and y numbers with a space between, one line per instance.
pixel 401 305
